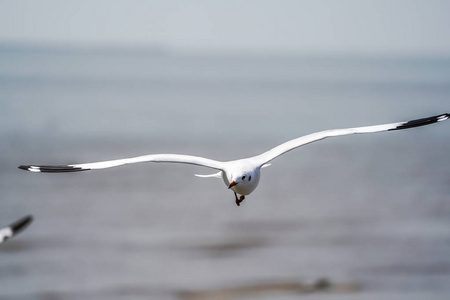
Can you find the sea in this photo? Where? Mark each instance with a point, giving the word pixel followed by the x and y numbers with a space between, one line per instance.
pixel 369 211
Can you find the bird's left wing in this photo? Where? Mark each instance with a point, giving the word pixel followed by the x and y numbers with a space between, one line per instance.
pixel 295 143
pixel 14 228
pixel 157 158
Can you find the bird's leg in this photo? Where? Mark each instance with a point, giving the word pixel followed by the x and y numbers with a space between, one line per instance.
pixel 239 200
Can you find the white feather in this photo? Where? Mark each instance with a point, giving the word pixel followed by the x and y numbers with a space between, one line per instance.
pixel 243 173
pixel 215 175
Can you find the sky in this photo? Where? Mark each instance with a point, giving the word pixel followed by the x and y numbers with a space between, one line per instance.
pixel 264 26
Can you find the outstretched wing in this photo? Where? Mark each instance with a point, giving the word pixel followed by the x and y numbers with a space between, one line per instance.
pixel 14 228
pixel 157 158
pixel 295 143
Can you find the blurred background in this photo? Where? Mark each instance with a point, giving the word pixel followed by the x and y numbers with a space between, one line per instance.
pixel 87 81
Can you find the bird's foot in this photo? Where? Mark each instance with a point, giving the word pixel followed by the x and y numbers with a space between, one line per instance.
pixel 239 200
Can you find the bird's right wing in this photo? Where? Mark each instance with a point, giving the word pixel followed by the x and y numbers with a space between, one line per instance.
pixel 157 158
pixel 14 228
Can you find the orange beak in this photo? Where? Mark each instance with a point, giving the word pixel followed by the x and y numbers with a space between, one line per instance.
pixel 233 183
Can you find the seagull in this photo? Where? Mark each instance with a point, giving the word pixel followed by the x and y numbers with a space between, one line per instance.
pixel 241 176
pixel 14 228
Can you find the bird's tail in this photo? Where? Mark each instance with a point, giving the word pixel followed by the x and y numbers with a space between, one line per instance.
pixel 215 175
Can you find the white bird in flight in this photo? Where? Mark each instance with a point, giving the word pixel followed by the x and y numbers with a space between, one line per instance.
pixel 242 176
pixel 14 228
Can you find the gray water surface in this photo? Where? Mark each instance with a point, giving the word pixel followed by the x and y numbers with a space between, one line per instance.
pixel 370 209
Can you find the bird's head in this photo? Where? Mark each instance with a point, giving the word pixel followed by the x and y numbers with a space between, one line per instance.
pixel 240 180
pixel 244 182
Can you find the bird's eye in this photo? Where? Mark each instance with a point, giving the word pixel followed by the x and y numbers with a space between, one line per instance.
pixel 243 177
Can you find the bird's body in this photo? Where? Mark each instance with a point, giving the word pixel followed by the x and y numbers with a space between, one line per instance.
pixel 242 175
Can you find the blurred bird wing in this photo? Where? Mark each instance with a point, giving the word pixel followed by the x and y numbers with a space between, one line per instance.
pixel 14 228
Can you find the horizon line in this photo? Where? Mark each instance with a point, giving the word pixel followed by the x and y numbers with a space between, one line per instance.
pixel 161 49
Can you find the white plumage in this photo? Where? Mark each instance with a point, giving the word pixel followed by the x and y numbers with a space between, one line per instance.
pixel 242 176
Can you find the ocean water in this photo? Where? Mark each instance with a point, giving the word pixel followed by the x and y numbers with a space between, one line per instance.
pixel 373 210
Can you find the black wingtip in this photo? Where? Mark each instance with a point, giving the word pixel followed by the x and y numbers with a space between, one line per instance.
pixel 422 122
pixel 51 169
pixel 21 224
